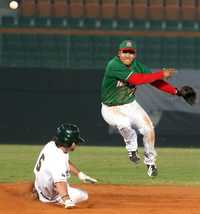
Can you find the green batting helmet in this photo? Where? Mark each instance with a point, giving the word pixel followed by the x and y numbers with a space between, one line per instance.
pixel 68 134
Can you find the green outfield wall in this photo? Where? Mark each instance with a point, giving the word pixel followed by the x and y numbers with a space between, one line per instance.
pixel 35 101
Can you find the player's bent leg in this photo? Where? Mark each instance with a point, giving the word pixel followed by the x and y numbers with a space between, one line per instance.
pixel 42 196
pixel 149 141
pixel 77 195
pixel 130 138
pixel 149 151
pixel 117 116
pixel 146 128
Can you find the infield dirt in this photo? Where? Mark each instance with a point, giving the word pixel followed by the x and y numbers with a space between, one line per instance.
pixel 107 199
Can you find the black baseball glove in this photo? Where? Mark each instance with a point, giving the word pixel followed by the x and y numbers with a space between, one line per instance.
pixel 188 94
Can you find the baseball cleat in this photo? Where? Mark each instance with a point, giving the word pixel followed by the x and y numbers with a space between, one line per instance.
pixel 134 157
pixel 152 170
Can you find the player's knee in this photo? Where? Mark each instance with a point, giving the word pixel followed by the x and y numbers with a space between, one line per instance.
pixel 147 130
pixel 150 130
pixel 84 196
pixel 77 195
pixel 127 133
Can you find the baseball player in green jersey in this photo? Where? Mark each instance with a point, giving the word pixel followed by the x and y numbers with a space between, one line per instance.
pixel 120 109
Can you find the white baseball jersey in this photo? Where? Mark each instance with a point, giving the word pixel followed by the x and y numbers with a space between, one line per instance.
pixel 52 166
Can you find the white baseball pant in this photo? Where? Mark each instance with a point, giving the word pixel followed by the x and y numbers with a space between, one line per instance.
pixel 76 195
pixel 128 117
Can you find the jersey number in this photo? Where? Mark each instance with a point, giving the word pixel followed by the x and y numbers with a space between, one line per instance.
pixel 40 162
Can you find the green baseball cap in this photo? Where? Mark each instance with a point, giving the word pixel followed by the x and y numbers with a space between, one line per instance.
pixel 127 45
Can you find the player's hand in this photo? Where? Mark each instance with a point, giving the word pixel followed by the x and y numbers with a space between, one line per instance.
pixel 169 72
pixel 69 204
pixel 86 179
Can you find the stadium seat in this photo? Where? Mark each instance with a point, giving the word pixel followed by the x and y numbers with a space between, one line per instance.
pixel 140 9
pixel 198 10
pixel 58 22
pixel 124 9
pixel 172 9
pixel 82 23
pixel 42 22
pixel 173 25
pixel 188 10
pixel 108 24
pixel 27 8
pixel 60 8
pixel 156 25
pixel 139 25
pixel 8 21
pixel 108 8
pixel 156 10
pixel 44 8
pixel 90 23
pixel 76 23
pixel 92 9
pixel 125 24
pixel 26 21
pixel 76 8
pixel 190 25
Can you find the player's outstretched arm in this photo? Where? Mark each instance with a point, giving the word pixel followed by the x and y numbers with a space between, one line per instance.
pixel 165 87
pixel 145 78
pixel 86 179
pixel 186 92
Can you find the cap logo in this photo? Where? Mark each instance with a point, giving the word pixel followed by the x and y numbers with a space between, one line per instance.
pixel 129 44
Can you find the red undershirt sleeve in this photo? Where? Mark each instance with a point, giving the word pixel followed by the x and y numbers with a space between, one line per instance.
pixel 165 86
pixel 141 78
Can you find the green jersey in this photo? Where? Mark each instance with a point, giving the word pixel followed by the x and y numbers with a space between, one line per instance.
pixel 115 89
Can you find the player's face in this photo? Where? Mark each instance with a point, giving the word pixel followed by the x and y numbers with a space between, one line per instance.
pixel 72 147
pixel 127 56
pixel 69 149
